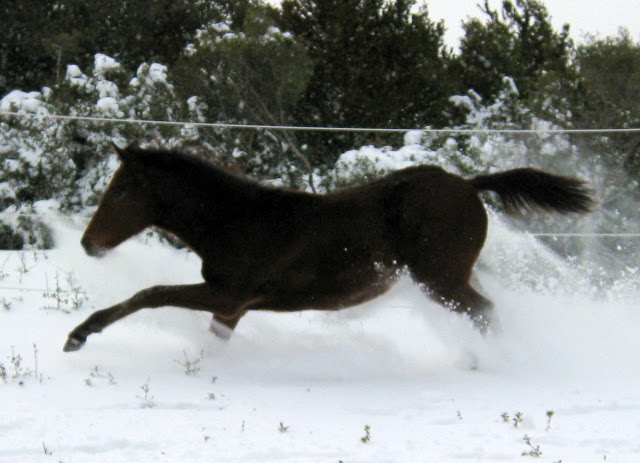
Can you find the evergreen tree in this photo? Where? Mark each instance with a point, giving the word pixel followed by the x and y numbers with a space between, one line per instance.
pixel 610 71
pixel 519 42
pixel 375 64
pixel 246 70
pixel 42 36
pixel 24 63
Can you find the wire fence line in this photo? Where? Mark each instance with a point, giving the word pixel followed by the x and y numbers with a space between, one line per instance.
pixel 223 125
pixel 588 235
pixel 37 290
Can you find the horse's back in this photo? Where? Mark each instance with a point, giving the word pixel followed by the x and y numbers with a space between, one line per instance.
pixel 418 216
pixel 414 204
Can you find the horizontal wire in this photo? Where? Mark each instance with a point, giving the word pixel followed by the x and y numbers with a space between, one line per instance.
pixel 311 128
pixel 591 235
pixel 39 290
pixel 329 129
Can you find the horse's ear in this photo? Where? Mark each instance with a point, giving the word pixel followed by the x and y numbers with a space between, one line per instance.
pixel 124 154
pixel 118 151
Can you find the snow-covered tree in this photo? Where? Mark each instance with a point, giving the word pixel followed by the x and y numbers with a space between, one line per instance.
pixel 365 53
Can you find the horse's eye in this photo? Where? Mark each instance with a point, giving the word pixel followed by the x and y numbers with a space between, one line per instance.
pixel 117 193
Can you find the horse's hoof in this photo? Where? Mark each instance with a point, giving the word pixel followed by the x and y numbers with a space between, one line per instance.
pixel 73 345
pixel 220 330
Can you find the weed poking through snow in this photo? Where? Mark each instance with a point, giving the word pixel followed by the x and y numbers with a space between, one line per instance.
pixel 518 419
pixel 534 450
pixel 191 366
pixel 367 435
pixel 282 428
pixel 147 398
pixel 23 268
pixel 66 296
pixel 550 414
pixel 45 450
pixel 19 371
pixel 98 373
pixel 16 371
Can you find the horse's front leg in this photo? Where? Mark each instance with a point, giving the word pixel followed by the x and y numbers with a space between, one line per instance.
pixel 197 297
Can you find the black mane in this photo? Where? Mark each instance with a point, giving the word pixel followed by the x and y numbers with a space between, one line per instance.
pixel 186 165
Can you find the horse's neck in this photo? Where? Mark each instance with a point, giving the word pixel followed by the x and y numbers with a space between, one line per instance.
pixel 193 211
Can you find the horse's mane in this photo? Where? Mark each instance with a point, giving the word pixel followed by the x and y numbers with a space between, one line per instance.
pixel 183 164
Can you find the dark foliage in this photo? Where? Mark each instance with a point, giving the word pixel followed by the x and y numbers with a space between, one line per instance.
pixel 518 41
pixel 364 53
pixel 610 72
pixel 41 37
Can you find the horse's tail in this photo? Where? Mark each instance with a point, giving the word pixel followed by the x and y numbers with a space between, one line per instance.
pixel 524 190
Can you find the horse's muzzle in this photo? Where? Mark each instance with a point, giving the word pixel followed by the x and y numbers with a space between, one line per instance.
pixel 90 248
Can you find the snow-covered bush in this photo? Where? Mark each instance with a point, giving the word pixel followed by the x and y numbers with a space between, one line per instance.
pixel 252 77
pixel 67 160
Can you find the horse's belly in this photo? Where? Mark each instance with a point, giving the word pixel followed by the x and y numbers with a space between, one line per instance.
pixel 329 290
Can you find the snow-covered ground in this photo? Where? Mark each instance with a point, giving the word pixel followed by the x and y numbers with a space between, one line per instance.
pixel 389 381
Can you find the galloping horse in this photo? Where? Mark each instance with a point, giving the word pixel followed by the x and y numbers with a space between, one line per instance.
pixel 274 249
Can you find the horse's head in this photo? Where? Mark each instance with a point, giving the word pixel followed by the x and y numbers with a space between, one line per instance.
pixel 125 208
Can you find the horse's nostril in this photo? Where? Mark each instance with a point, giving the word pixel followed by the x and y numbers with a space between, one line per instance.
pixel 91 248
pixel 86 243
pixel 88 246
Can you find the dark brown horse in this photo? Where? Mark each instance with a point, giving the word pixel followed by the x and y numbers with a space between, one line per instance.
pixel 274 249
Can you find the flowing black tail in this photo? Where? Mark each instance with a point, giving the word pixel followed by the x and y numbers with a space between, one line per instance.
pixel 524 190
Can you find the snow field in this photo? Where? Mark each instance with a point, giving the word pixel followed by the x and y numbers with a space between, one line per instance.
pixel 302 387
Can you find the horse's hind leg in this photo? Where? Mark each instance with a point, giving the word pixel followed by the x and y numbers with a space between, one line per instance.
pixel 466 300
pixel 446 281
pixel 449 286
pixel 223 327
